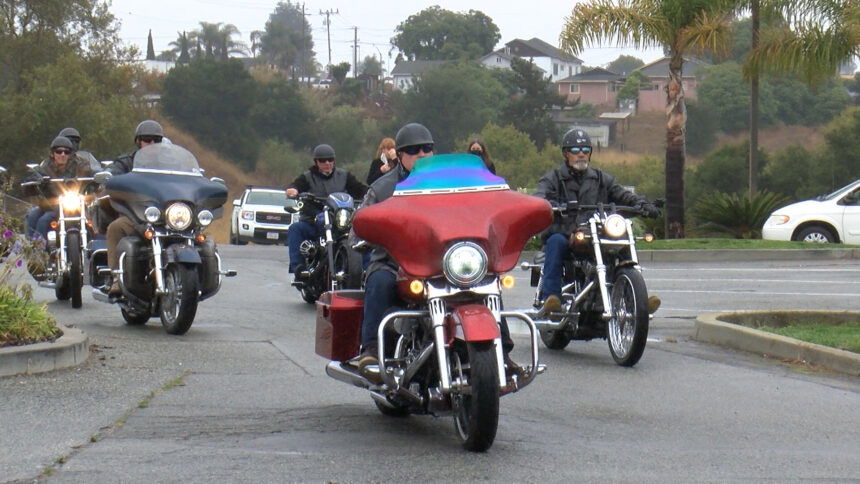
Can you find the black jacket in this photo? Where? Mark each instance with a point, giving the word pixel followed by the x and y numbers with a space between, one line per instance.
pixel 314 182
pixel 379 191
pixel 562 184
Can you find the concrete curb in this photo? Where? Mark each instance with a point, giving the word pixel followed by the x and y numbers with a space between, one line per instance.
pixel 71 349
pixel 710 329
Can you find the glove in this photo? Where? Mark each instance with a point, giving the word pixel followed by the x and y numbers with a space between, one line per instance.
pixel 649 210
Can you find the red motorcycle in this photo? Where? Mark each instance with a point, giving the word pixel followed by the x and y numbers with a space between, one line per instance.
pixel 455 230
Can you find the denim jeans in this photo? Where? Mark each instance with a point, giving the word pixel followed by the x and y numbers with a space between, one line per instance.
pixel 555 252
pixel 299 232
pixel 38 221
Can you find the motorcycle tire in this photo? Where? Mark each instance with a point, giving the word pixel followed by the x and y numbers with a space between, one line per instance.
pixel 179 305
pixel 476 414
pixel 627 328
pixel 134 319
pixel 62 289
pixel 395 410
pixel 554 340
pixel 349 262
pixel 76 280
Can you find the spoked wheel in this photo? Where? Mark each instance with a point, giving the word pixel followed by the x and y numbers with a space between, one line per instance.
pixel 348 262
pixel 75 280
pixel 627 329
pixel 476 412
pixel 179 304
pixel 133 318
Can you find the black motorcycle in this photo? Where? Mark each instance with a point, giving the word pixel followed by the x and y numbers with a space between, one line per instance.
pixel 170 265
pixel 329 262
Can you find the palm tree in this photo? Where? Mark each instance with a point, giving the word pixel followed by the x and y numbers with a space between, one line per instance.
pixel 681 27
pixel 215 40
pixel 180 47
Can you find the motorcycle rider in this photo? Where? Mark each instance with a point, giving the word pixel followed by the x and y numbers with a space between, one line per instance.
pixel 413 142
pixel 576 180
pixel 75 137
pixel 321 179
pixel 147 132
pixel 61 163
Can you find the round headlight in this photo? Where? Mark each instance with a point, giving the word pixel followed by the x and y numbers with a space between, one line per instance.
pixel 71 202
pixel 205 217
pixel 178 216
pixel 615 226
pixel 464 264
pixel 151 214
pixel 341 219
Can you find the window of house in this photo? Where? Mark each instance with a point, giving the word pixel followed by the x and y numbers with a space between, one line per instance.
pixel 554 69
pixel 574 87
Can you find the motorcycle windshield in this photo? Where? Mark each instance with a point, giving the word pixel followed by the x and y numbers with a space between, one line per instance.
pixel 166 158
pixel 451 198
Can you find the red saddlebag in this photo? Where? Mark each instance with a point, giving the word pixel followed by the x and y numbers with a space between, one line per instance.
pixel 339 316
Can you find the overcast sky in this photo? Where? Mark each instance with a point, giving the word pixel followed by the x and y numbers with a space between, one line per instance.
pixel 375 19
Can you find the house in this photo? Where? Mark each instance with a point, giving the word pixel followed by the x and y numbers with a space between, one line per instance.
pixel 597 86
pixel 405 72
pixel 556 63
pixel 653 97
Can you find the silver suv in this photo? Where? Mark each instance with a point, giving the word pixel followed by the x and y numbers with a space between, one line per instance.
pixel 259 216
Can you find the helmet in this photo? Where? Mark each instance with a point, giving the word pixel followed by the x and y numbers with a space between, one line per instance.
pixel 62 142
pixel 148 128
pixel 323 151
pixel 71 133
pixel 413 134
pixel 575 137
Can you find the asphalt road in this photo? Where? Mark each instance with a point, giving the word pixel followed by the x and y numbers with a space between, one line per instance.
pixel 243 398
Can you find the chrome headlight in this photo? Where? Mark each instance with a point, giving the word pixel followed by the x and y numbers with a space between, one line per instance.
pixel 205 217
pixel 152 214
pixel 247 215
pixel 464 264
pixel 71 202
pixel 178 216
pixel 615 226
pixel 342 218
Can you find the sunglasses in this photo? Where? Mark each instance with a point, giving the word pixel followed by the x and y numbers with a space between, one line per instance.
pixel 414 149
pixel 62 152
pixel 575 150
pixel 324 160
pixel 150 139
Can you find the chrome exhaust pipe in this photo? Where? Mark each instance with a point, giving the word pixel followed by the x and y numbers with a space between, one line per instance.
pixel 336 370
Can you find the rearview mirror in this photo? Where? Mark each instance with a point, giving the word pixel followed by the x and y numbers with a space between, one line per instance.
pixel 102 177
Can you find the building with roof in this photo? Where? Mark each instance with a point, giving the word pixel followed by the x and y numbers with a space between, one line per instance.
pixel 597 86
pixel 556 63
pixel 653 97
pixel 405 72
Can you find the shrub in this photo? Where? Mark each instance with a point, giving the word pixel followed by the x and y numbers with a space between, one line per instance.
pixel 737 215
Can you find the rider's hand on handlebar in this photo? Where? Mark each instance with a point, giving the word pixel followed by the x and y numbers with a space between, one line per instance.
pixel 650 210
pixel 292 193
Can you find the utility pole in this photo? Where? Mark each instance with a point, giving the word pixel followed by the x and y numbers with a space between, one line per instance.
pixel 355 54
pixel 304 45
pixel 327 21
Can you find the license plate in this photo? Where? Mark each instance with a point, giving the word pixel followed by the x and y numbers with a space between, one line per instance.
pixel 272 235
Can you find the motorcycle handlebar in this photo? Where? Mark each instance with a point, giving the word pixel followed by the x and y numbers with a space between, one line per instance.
pixel 574 205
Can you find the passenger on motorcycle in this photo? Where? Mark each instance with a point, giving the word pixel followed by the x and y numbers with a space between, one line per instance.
pixel 413 142
pixel 321 179
pixel 574 180
pixel 83 156
pixel 148 132
pixel 61 163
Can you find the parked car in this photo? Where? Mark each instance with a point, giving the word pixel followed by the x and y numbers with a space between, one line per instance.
pixel 260 216
pixel 830 218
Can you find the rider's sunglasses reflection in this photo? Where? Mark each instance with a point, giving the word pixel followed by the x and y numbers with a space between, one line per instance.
pixel 62 152
pixel 413 150
pixel 574 150
pixel 324 160
pixel 150 139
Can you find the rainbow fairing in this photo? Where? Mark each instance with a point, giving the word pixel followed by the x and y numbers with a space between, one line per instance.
pixel 450 173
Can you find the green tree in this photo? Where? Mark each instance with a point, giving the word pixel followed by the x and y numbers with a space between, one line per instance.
pixel 722 170
pixel 370 65
pixel 438 34
pixel 280 113
pixel 215 40
pixel 632 85
pixel 287 41
pixel 181 48
pixel 533 94
pixel 471 97
pixel 150 49
pixel 681 27
pixel 339 71
pixel 625 65
pixel 352 140
pixel 213 100
pixel 514 155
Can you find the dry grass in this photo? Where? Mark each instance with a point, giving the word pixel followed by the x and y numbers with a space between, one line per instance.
pixel 214 165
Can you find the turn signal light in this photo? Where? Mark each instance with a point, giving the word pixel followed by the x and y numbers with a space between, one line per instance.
pixel 416 287
pixel 579 236
pixel 149 234
pixel 200 238
pixel 508 281
pixel 54 225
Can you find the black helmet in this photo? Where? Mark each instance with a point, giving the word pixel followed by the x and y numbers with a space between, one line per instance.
pixel 71 133
pixel 575 137
pixel 62 142
pixel 148 128
pixel 412 134
pixel 323 151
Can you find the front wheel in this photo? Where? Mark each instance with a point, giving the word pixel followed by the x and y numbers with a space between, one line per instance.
pixel 627 328
pixel 817 234
pixel 134 319
pixel 179 303
pixel 348 265
pixel 75 280
pixel 476 412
